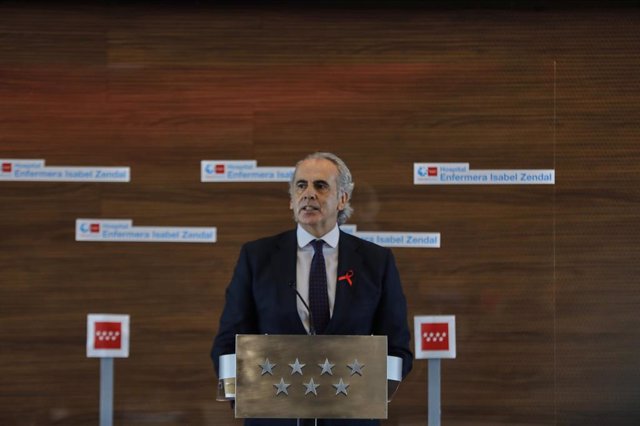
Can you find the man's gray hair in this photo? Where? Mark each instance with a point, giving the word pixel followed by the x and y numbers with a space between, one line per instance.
pixel 345 181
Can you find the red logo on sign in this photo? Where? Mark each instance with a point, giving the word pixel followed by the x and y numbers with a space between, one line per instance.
pixel 95 227
pixel 219 168
pixel 108 335
pixel 6 167
pixel 432 171
pixel 435 336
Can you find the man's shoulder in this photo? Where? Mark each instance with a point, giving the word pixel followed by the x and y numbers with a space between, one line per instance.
pixel 363 245
pixel 269 242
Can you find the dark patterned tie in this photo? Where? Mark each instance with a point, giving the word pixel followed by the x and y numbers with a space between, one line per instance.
pixel 318 295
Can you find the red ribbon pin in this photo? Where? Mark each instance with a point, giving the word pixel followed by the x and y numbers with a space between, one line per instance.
pixel 347 277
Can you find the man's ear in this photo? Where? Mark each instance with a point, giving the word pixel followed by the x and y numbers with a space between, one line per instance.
pixel 342 201
pixel 290 204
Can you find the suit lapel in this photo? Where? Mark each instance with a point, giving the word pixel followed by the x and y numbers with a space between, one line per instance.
pixel 284 275
pixel 349 262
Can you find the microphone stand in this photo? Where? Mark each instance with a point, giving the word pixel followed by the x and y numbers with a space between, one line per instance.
pixel 312 328
pixel 312 332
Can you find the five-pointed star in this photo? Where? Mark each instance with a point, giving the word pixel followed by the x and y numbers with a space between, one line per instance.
pixel 311 387
pixel 296 367
pixel 341 387
pixel 267 367
pixel 356 367
pixel 282 387
pixel 326 367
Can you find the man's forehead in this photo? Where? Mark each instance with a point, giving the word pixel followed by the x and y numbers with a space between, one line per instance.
pixel 316 169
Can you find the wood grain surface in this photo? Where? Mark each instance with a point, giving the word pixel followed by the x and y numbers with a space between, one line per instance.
pixel 543 280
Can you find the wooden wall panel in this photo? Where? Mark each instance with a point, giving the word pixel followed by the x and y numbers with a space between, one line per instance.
pixel 541 278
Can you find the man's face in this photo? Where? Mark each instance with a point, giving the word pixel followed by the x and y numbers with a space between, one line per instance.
pixel 314 197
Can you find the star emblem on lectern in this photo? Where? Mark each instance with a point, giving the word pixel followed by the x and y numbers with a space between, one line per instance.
pixel 282 387
pixel 341 387
pixel 267 367
pixel 326 367
pixel 311 387
pixel 356 367
pixel 296 367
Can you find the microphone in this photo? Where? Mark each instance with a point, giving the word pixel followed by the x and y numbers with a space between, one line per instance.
pixel 312 329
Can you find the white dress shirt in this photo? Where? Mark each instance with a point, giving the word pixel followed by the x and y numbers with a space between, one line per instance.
pixel 303 267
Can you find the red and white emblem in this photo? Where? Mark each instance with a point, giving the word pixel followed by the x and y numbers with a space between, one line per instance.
pixel 107 336
pixel 435 336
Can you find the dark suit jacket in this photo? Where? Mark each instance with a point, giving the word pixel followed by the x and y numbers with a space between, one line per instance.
pixel 260 300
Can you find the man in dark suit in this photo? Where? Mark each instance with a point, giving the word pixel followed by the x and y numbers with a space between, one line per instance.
pixel 352 286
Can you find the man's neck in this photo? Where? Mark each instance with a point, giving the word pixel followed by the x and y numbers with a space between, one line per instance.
pixel 331 237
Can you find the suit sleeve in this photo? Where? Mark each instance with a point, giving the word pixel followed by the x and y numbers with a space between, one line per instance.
pixel 391 315
pixel 239 314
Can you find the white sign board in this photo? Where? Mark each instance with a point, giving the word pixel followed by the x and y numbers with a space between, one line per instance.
pixel 34 170
pixel 408 239
pixel 242 171
pixel 122 230
pixel 107 336
pixel 435 336
pixel 462 174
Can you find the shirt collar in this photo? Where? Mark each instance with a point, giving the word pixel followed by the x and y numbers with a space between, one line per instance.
pixel 331 237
